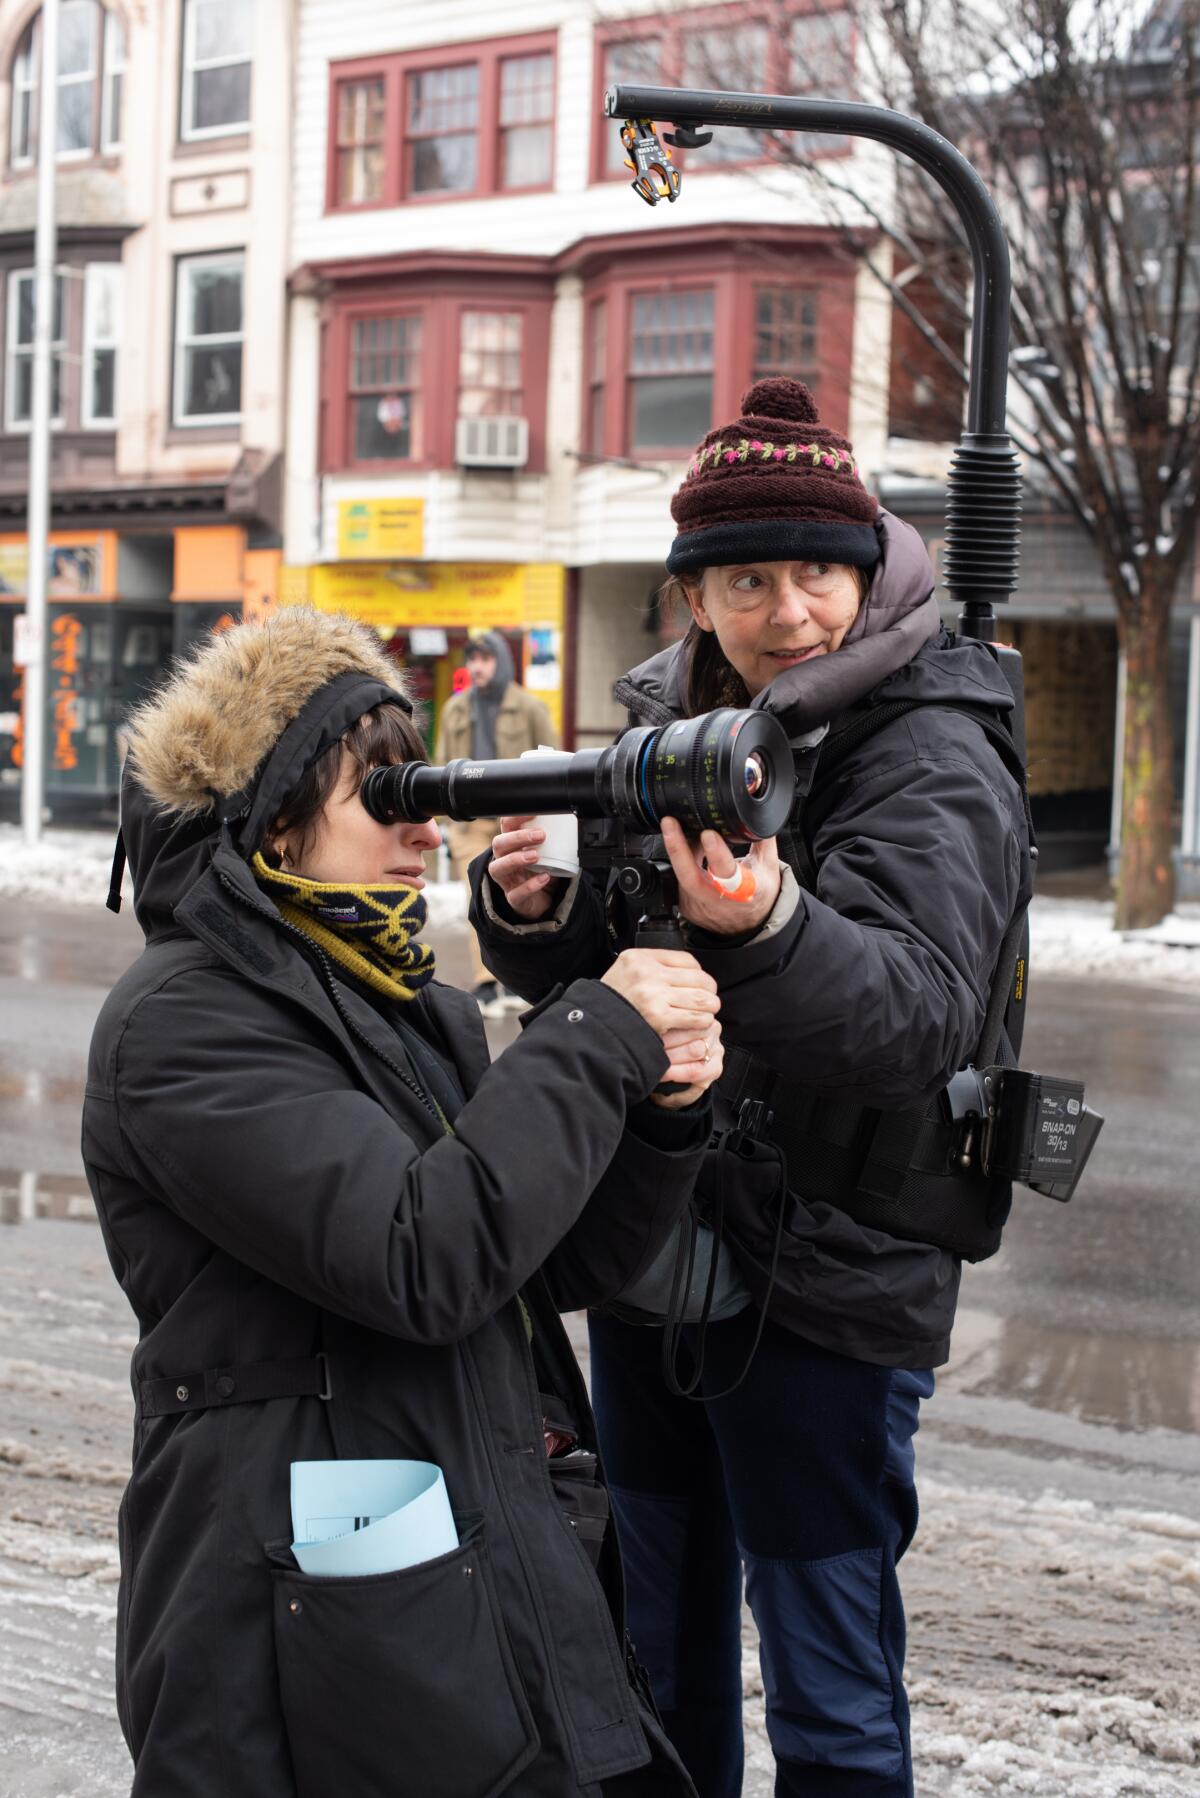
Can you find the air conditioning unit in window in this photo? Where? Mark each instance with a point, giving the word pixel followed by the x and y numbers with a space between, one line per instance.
pixel 501 442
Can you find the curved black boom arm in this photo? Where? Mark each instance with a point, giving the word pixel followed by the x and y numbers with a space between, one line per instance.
pixel 983 504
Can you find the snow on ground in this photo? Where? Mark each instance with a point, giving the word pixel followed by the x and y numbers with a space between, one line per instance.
pixel 1069 936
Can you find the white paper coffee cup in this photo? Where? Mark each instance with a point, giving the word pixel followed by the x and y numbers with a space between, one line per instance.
pixel 560 852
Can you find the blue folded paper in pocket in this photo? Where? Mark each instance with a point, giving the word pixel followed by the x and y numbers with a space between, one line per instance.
pixel 356 1517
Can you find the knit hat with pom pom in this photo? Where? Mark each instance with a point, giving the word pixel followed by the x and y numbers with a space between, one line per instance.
pixel 776 485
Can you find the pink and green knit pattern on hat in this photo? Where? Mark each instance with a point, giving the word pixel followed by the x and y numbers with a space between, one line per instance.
pixel 775 485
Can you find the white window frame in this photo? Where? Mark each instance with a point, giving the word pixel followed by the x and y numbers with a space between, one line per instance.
pixel 188 131
pixel 93 275
pixel 183 269
pixel 91 76
pixel 113 63
pixel 27 86
pixel 21 426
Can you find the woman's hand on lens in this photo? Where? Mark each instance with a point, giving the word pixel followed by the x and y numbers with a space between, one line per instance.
pixel 697 1058
pixel 668 987
pixel 701 901
pixel 514 850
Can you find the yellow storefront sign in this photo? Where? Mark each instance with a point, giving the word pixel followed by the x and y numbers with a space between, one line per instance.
pixel 455 595
pixel 375 530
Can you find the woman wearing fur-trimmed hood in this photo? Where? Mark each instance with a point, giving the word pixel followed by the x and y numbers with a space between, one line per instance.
pixel 324 1209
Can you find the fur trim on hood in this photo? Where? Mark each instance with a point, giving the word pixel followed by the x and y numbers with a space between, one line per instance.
pixel 211 726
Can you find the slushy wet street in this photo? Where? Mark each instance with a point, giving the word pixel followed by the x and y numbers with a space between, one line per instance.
pixel 1053 1589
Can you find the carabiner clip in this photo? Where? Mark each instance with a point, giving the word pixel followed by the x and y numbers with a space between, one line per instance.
pixel 655 176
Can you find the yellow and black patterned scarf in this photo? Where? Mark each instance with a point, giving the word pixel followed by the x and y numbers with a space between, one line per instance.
pixel 371 931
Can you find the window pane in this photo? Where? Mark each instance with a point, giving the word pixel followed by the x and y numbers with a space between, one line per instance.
pixel 385 354
pixel 526 159
pixel 216 302
pixel 785 337
pixel 443 100
pixel 672 332
pixel 75 116
pixel 489 364
pixel 384 427
pixel 212 380
pixel 22 404
pixel 820 44
pixel 24 303
pixel 104 383
pixel 526 89
pixel 22 374
pixel 444 165
pixel 221 96
pixel 637 62
pixel 733 58
pixel 77 22
pixel 360 175
pixel 821 64
pixel 22 116
pixel 102 300
pixel 112 120
pixel 360 111
pixel 671 412
pixel 223 28
pixel 25 309
pixel 360 162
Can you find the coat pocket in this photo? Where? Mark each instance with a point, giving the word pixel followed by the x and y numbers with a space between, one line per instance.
pixel 401 1682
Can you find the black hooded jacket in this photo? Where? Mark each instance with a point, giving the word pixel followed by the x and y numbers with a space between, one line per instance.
pixel 282 1209
pixel 870 979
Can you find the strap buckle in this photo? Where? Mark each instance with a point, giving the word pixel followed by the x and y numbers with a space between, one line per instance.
pixel 326 1392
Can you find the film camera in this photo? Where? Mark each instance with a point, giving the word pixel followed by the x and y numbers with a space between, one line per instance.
pixel 730 771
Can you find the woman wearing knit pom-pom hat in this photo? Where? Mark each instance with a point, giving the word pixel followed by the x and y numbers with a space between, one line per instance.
pixel 853 961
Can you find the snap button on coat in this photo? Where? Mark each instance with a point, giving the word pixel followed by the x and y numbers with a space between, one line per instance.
pixel 181 1393
pixel 574 1017
pixel 226 1386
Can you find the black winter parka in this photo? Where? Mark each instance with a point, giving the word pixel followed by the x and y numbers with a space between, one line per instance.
pixel 871 981
pixel 273 1189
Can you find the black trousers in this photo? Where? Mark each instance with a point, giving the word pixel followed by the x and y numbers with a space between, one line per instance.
pixel 802 1481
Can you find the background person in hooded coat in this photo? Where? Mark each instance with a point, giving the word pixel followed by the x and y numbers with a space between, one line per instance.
pixel 492 719
pixel 857 976
pixel 345 1236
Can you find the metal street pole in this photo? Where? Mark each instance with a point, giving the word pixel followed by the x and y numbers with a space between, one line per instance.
pixel 33 742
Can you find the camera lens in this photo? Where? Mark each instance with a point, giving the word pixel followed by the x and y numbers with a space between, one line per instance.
pixel 714 773
pixel 757 775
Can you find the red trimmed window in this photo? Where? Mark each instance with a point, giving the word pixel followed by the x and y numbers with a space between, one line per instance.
pixel 462 120
pixel 396 341
pixel 665 359
pixel 385 388
pixel 754 46
pixel 670 368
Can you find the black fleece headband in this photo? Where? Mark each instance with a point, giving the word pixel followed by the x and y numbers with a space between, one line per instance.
pixel 774 540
